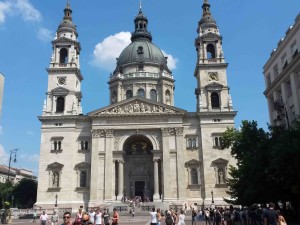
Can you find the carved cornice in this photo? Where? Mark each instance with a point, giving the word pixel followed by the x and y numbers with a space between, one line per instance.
pixel 109 133
pixel 63 117
pixel 167 131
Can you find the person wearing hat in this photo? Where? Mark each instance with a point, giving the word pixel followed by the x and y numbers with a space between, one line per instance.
pixel 115 217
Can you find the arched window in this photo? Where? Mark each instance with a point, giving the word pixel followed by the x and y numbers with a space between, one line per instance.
pixel 153 95
pixel 210 50
pixel 215 101
pixel 82 179
pixel 63 57
pixel 194 176
pixel 168 97
pixel 60 104
pixel 194 143
pixel 128 94
pixel 141 93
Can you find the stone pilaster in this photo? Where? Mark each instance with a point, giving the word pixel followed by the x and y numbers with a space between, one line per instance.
pixel 120 179
pixel 180 164
pixel 156 180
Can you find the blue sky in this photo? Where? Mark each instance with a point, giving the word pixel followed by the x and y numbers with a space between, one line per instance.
pixel 250 30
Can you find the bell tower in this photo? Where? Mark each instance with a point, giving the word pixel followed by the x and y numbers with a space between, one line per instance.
pixel 64 76
pixel 212 92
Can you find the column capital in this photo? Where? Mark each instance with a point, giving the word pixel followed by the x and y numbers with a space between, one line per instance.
pixel 179 130
pixel 97 133
pixel 156 159
pixel 109 133
pixel 167 131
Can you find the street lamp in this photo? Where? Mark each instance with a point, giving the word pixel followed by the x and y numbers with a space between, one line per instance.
pixel 56 200
pixel 13 151
pixel 212 197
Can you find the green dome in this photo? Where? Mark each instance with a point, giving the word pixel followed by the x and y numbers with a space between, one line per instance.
pixel 141 51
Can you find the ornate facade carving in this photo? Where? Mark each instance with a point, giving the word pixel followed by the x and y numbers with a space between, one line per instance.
pixel 98 133
pixel 167 131
pixel 138 107
pixel 179 130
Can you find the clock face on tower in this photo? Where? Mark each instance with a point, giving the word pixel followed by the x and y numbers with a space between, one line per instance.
pixel 61 80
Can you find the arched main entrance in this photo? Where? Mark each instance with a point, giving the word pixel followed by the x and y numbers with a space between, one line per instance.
pixel 138 168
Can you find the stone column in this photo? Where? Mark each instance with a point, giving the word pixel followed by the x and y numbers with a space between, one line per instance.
pixel 108 145
pixel 181 192
pixel 156 181
pixel 166 164
pixel 120 180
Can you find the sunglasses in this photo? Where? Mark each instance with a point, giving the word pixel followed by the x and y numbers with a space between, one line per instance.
pixel 66 217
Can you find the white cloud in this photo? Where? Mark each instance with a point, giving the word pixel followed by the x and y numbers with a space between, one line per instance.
pixel 3 155
pixel 172 61
pixel 4 10
pixel 29 132
pixel 27 10
pixel 106 52
pixel 30 158
pixel 44 34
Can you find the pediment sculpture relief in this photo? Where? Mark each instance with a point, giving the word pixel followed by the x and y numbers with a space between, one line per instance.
pixel 137 107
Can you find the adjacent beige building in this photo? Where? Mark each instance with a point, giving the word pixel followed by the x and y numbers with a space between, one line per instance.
pixel 15 174
pixel 282 78
pixel 141 144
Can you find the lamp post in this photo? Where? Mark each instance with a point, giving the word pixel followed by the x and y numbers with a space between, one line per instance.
pixel 13 151
pixel 212 197
pixel 56 200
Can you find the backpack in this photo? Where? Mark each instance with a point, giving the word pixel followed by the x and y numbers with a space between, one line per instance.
pixel 169 220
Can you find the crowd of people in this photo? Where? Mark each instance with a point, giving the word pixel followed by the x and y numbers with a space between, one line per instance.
pixel 256 215
pixel 259 215
pixel 92 217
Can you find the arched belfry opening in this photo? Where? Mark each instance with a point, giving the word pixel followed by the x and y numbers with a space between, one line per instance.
pixel 138 168
pixel 210 50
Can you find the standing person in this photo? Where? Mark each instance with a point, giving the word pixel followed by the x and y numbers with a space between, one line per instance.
pixel 79 213
pixel 54 218
pixel 44 218
pixel 34 216
pixel 181 218
pixel 153 219
pixel 67 218
pixel 92 215
pixel 194 214
pixel 281 220
pixel 169 219
pixel 158 217
pixel 207 217
pixel 105 217
pixel 271 215
pixel 115 217
pixel 132 213
pixel 98 217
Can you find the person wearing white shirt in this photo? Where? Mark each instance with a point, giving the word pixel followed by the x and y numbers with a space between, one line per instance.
pixel 153 217
pixel 44 218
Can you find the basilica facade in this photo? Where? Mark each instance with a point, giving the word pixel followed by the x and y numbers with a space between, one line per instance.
pixel 141 144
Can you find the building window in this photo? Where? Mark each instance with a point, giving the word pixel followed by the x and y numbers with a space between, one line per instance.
pixel 215 101
pixel 60 104
pixel 84 145
pixel 128 94
pixel 210 50
pixel 83 179
pixel 294 49
pixel 140 50
pixel 168 97
pixel 153 95
pixel 288 88
pixel 141 93
pixel 82 169
pixel 220 169
pixel 63 55
pixel 275 70
pixel 191 143
pixel 268 80
pixel 56 144
pixel 194 176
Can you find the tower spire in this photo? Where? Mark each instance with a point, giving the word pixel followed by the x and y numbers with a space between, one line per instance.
pixel 207 18
pixel 141 24
pixel 140 6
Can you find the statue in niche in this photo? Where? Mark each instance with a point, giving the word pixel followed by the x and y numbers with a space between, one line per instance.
pixel 168 99
pixel 221 176
pixel 55 179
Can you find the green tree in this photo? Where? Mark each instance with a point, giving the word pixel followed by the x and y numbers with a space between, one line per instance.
pixel 268 163
pixel 5 191
pixel 24 193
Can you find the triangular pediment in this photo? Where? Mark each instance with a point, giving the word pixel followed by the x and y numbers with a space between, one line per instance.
pixel 137 105
pixel 60 91
pixel 213 86
pixel 192 162
pixel 219 162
